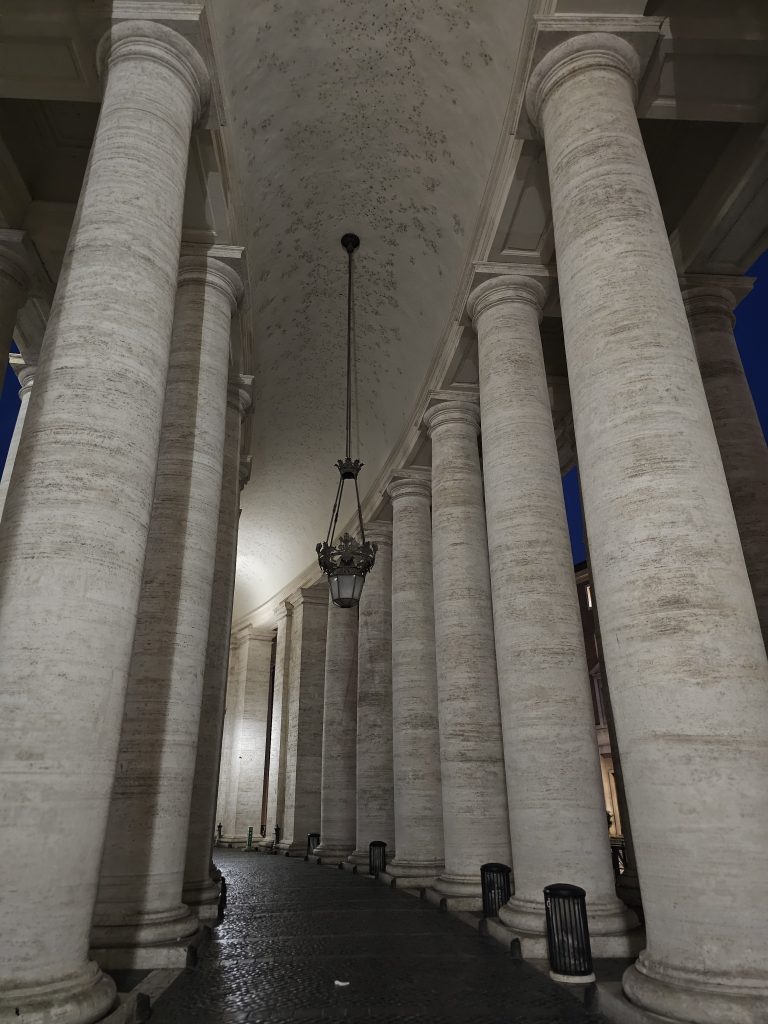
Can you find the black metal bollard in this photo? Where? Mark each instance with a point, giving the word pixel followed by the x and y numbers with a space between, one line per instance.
pixel 618 856
pixel 495 880
pixel 377 858
pixel 313 838
pixel 570 954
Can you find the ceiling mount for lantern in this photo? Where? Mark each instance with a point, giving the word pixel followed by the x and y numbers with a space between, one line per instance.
pixel 347 563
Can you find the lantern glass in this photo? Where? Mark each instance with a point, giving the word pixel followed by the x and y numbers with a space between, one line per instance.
pixel 346 588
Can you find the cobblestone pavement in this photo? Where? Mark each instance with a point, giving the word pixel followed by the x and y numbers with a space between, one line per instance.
pixel 292 929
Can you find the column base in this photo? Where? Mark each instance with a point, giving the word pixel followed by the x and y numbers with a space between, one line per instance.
pixel 614 931
pixel 455 892
pixel 332 853
pixel 78 998
pixel 288 848
pixel 358 857
pixel 413 874
pixel 695 996
pixel 203 898
pixel 149 929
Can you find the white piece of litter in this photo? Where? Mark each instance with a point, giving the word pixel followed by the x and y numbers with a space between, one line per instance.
pixel 341 984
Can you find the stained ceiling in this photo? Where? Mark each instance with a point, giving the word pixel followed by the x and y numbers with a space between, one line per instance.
pixel 381 119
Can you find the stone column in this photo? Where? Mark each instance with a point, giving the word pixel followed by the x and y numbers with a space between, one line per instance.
pixel 277 751
pixel 709 303
pixel 14 287
pixel 684 654
pixel 233 722
pixel 82 488
pixel 475 819
pixel 253 734
pixel 304 742
pixel 415 734
pixel 375 783
pixel 554 788
pixel 338 776
pixel 201 879
pixel 26 375
pixel 142 870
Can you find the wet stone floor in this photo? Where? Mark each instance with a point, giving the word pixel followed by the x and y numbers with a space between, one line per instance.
pixel 292 929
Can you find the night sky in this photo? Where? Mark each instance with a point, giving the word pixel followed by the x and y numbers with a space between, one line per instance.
pixel 751 317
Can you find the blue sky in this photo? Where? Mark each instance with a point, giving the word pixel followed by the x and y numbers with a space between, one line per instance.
pixel 751 318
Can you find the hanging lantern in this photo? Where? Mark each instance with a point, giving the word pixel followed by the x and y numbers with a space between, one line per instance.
pixel 347 563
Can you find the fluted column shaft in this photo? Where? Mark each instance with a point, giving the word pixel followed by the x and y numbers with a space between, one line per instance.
pixel 415 732
pixel 304 743
pixel 201 887
pixel 142 871
pixel 475 819
pixel 709 304
pixel 82 488
pixel 26 375
pixel 684 654
pixel 253 734
pixel 278 739
pixel 375 816
pixel 556 803
pixel 338 781
pixel 14 287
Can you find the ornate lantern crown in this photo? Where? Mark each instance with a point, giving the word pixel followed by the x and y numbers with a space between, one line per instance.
pixel 348 562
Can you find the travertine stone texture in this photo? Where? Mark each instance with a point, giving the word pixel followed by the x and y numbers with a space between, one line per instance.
pixel 338 782
pixel 555 795
pixel 201 884
pixel 415 733
pixel 142 870
pixel 475 819
pixel 14 286
pixel 82 488
pixel 375 784
pixel 304 744
pixel 683 649
pixel 278 740
pixel 26 375
pixel 229 776
pixel 253 734
pixel 709 306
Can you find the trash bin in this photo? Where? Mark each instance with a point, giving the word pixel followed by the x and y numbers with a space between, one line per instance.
pixel 377 857
pixel 497 888
pixel 313 838
pixel 277 839
pixel 570 955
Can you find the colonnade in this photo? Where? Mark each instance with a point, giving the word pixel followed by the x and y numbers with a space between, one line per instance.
pixel 493 746
pixel 449 715
pixel 126 475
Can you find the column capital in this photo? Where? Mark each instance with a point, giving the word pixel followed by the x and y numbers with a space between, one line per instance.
pixel 25 372
pixel 506 289
pixel 464 411
pixel 379 531
pixel 283 611
pixel 414 482
pixel 152 41
pixel 713 296
pixel 261 635
pixel 211 273
pixel 309 595
pixel 586 52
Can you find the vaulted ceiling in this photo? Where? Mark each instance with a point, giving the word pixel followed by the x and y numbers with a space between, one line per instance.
pixel 378 118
